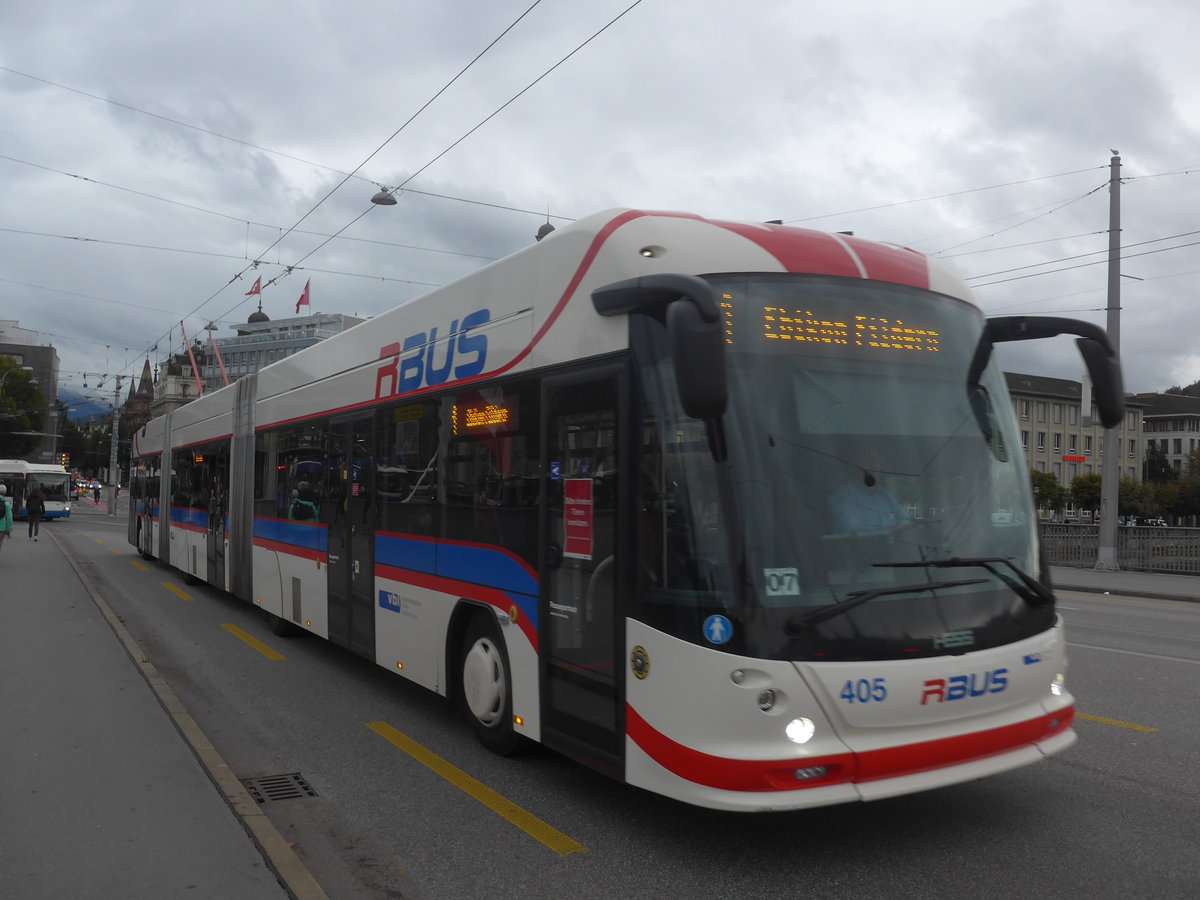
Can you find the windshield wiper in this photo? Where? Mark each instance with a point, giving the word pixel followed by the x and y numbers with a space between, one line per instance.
pixel 821 613
pixel 1028 589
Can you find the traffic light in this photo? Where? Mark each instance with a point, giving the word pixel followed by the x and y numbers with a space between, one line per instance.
pixel 64 460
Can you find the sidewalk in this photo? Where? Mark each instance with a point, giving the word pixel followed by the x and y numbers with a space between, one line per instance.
pixel 109 789
pixel 1128 584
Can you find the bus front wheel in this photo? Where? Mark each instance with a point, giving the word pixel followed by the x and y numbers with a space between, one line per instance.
pixel 485 686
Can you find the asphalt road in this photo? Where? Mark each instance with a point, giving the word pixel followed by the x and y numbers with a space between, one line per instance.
pixel 1115 816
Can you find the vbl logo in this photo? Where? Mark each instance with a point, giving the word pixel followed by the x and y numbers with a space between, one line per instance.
pixel 422 369
pixel 958 686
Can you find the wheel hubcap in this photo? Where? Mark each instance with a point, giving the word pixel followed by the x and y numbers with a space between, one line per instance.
pixel 483 682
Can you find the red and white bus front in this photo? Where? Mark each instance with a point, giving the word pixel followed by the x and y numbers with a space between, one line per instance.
pixel 838 590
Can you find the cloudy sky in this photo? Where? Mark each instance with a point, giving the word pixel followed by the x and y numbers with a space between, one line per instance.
pixel 150 153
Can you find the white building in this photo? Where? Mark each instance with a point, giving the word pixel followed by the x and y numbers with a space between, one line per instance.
pixel 258 343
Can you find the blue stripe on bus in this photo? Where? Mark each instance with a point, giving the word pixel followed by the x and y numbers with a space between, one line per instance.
pixel 183 515
pixel 297 534
pixel 490 566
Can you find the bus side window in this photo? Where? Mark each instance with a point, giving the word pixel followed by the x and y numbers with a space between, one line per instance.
pixel 409 470
pixel 491 467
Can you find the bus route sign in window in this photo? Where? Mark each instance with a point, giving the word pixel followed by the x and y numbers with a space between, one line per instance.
pixel 798 314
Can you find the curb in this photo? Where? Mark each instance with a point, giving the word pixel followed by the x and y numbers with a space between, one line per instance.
pixel 293 875
pixel 1127 592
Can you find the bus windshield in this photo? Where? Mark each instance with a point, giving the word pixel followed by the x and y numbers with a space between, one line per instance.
pixel 856 452
pixel 55 485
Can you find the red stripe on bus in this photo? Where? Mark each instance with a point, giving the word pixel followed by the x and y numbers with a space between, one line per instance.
pixel 291 550
pixel 898 265
pixel 491 596
pixel 817 253
pixel 872 765
pixel 799 249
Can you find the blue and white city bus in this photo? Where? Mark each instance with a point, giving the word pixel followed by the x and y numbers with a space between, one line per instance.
pixel 708 506
pixel 20 478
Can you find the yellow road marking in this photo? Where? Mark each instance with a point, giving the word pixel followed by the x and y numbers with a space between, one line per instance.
pixel 527 822
pixel 98 541
pixel 113 550
pixel 1115 722
pixel 138 565
pixel 254 642
pixel 176 591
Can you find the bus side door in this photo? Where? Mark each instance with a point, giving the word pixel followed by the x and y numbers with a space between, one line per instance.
pixel 582 623
pixel 348 509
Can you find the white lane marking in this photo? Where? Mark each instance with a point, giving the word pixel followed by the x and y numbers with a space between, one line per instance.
pixel 1193 662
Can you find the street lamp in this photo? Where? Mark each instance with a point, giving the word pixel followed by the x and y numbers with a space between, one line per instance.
pixel 385 196
pixel 7 372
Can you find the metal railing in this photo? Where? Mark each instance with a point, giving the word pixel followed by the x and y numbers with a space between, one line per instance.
pixel 1139 549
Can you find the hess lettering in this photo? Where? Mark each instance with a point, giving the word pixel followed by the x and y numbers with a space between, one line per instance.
pixel 465 355
pixel 956 687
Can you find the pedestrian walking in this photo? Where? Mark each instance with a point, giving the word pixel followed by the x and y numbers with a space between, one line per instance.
pixel 96 492
pixel 35 507
pixel 5 515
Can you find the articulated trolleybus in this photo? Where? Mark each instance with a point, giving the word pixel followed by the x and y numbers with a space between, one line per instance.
pixel 735 513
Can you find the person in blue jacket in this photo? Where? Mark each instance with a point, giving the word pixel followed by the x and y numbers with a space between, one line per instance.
pixel 6 518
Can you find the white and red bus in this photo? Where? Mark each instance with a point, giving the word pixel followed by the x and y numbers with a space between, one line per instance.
pixel 736 513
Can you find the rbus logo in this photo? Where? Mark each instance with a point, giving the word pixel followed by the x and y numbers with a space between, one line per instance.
pixel 959 686
pixel 423 369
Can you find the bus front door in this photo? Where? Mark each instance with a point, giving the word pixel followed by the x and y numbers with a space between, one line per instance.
pixel 348 509
pixel 581 623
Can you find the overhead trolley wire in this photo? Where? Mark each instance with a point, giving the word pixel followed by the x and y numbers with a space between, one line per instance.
pixel 346 178
pixel 279 153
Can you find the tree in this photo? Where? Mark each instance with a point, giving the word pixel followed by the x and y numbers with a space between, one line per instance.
pixel 1047 492
pixel 1135 498
pixel 1085 491
pixel 1192 390
pixel 1156 469
pixel 1166 498
pixel 21 410
pixel 1187 501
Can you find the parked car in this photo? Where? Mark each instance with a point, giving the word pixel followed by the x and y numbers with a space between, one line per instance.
pixel 1155 521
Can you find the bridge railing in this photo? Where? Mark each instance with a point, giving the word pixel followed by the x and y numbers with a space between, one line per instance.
pixel 1139 549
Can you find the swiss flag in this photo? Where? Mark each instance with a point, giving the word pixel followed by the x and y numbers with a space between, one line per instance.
pixel 303 301
pixel 257 289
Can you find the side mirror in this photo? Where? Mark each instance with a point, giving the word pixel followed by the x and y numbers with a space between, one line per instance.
pixel 1098 354
pixel 686 306
pixel 698 349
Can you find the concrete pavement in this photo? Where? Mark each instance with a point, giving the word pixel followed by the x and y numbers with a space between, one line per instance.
pixel 107 787
pixel 1129 584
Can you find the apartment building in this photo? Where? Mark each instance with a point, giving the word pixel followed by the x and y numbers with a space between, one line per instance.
pixel 1060 437
pixel 1171 422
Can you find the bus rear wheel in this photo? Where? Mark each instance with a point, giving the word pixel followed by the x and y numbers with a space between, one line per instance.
pixel 485 686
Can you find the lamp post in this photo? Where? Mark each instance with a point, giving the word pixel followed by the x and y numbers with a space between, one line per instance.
pixel 7 372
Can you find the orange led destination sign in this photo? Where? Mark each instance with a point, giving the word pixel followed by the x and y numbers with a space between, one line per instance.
pixel 468 417
pixel 480 416
pixel 864 332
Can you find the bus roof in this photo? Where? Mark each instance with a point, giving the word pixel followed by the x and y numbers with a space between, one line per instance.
pixel 532 309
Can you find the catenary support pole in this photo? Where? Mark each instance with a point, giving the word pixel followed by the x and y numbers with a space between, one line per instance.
pixel 114 471
pixel 1110 468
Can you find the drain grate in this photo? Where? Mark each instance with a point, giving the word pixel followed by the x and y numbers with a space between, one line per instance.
pixel 278 787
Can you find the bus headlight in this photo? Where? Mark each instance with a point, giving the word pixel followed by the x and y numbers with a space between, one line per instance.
pixel 800 730
pixel 1058 685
